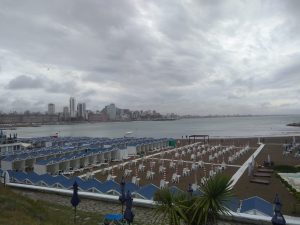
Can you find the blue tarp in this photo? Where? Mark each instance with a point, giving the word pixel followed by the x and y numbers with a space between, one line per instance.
pixel 113 217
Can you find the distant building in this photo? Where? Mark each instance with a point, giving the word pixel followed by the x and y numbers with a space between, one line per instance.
pixel 97 117
pixel 72 108
pixel 66 113
pixel 51 109
pixel 111 111
pixel 81 111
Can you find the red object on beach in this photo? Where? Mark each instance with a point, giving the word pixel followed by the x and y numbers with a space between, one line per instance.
pixel 55 135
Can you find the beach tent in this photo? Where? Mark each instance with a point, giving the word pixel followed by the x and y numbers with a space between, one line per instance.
pixel 257 206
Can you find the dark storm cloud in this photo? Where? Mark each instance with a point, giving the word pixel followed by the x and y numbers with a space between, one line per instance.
pixel 142 54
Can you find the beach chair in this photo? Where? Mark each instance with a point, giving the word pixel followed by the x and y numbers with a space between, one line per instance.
pixel 148 175
pixel 185 172
pixel 194 167
pixel 136 180
pixel 110 177
pixel 172 165
pixel 127 172
pixel 161 169
pixel 141 168
pixel 175 178
pixel 163 184
pixel 203 180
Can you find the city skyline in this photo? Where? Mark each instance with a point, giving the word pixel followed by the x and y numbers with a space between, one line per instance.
pixel 199 58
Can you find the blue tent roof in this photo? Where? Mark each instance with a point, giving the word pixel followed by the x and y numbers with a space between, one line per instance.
pixel 130 187
pixel 175 190
pixel 197 192
pixel 88 184
pixel 258 204
pixel 18 176
pixel 233 204
pixel 110 185
pixel 148 191
pixel 33 177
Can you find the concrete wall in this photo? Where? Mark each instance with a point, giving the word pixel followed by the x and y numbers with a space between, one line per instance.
pixel 144 213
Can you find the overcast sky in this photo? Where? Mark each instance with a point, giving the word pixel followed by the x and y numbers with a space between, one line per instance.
pixel 187 57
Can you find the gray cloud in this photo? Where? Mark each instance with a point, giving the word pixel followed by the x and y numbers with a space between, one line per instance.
pixel 196 57
pixel 25 82
pixel 44 83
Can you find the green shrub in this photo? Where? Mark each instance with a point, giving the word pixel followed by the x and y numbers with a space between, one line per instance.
pixel 286 169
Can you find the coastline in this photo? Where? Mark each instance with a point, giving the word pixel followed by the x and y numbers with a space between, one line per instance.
pixel 293 124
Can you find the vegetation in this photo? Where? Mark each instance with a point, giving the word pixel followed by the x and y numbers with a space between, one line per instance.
pixel 16 209
pixel 287 169
pixel 192 210
pixel 170 205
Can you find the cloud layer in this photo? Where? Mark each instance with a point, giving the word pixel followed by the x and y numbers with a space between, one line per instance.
pixel 188 57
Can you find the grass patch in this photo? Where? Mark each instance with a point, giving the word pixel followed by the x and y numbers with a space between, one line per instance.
pixel 287 169
pixel 16 209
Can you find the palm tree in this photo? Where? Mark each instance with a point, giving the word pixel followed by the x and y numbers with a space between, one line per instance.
pixel 207 207
pixel 171 206
pixel 194 210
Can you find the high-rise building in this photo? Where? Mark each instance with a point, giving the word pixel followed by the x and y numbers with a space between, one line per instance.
pixel 72 108
pixel 66 114
pixel 111 111
pixel 51 109
pixel 81 111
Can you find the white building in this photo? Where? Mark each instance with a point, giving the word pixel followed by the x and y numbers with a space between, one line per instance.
pixel 51 109
pixel 72 108
pixel 111 111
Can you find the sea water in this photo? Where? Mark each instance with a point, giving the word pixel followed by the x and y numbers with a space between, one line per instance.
pixel 254 126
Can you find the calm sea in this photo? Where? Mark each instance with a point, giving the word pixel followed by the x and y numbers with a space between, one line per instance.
pixel 215 127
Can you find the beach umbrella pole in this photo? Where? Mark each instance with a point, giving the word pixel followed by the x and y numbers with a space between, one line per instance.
pixel 75 215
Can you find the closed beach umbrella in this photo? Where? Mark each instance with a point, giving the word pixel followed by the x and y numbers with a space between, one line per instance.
pixel 190 190
pixel 278 218
pixel 249 169
pixel 269 159
pixel 75 199
pixel 128 214
pixel 253 162
pixel 122 197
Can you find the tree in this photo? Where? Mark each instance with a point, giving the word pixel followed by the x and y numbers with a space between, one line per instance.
pixel 203 209
pixel 171 206
pixel 207 207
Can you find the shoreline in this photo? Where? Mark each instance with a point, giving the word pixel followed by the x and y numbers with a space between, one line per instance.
pixel 293 125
